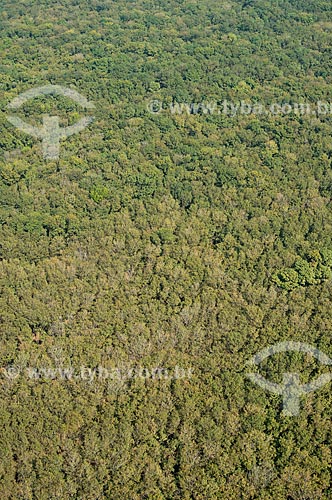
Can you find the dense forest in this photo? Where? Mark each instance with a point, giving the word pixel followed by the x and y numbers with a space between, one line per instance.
pixel 165 243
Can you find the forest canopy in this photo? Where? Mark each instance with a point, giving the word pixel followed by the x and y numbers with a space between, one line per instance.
pixel 170 241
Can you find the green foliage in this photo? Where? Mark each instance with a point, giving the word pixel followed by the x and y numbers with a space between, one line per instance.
pixel 98 193
pixel 163 240
pixel 287 279
pixel 315 269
